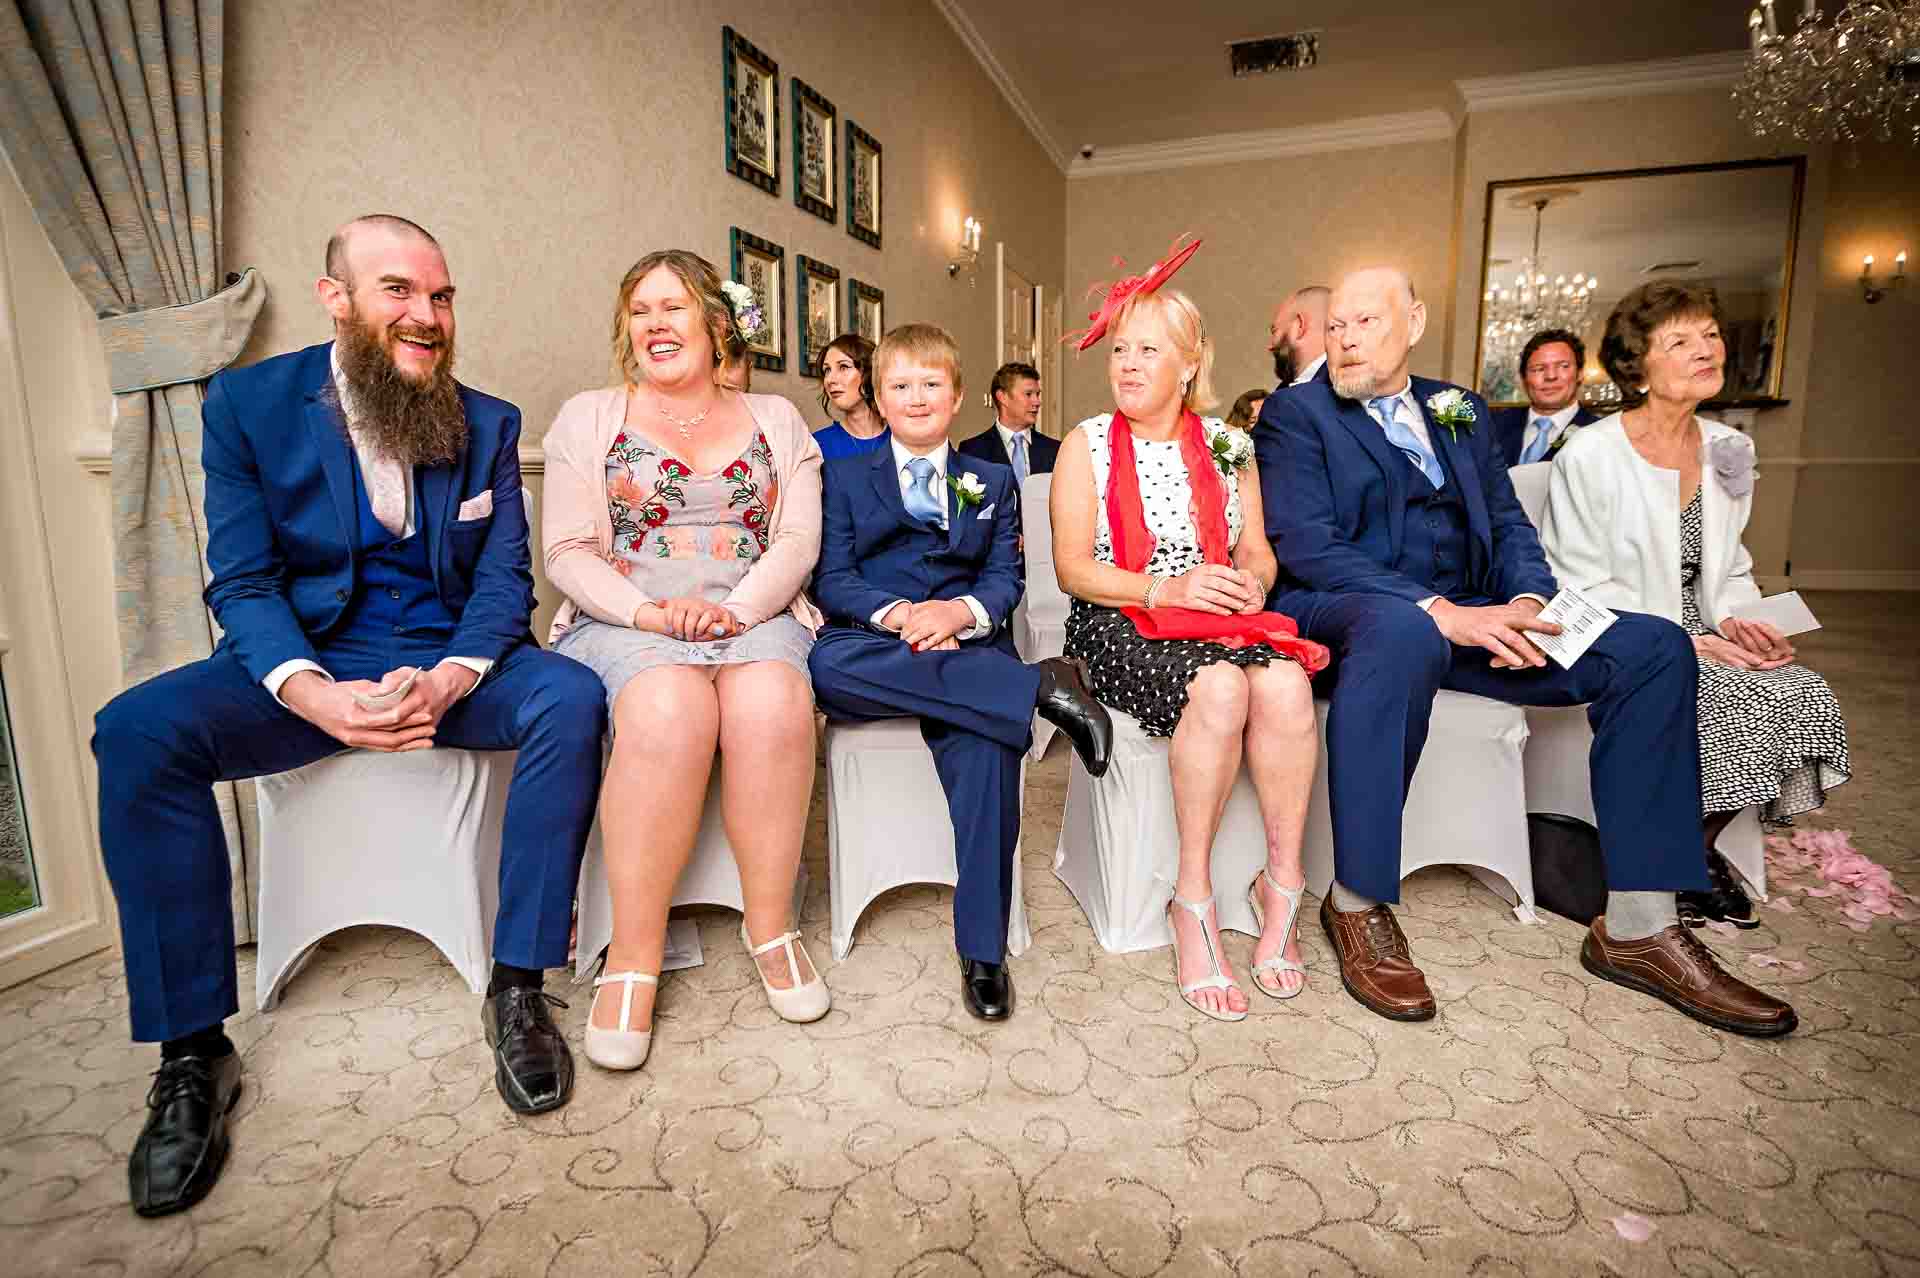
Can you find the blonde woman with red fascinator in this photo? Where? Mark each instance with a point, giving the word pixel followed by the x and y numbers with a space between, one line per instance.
pixel 1160 539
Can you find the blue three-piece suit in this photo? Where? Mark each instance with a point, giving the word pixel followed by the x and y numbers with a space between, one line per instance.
pixel 301 569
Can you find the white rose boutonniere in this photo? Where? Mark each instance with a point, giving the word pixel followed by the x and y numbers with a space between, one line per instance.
pixel 747 316
pixel 1452 409
pixel 967 490
pixel 1232 449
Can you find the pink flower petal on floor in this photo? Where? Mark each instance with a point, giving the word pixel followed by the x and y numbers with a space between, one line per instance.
pixel 1763 960
pixel 1782 904
pixel 1633 1227
pixel 1722 929
pixel 1795 965
pixel 1819 891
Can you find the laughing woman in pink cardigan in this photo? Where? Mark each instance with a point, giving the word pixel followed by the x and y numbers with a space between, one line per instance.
pixel 682 520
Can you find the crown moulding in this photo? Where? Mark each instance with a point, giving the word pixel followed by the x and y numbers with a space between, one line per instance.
pixel 1616 80
pixel 983 54
pixel 1267 144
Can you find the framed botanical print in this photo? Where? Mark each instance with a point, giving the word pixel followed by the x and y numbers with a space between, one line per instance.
pixel 863 185
pixel 761 265
pixel 752 104
pixel 816 159
pixel 866 310
pixel 819 297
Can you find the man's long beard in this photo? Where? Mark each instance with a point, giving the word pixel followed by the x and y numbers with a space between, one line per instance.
pixel 416 423
pixel 1285 367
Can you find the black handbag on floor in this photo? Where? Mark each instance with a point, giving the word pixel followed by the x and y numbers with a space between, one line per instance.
pixel 1569 874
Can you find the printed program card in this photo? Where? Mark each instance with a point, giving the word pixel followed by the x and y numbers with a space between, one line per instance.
pixel 1787 613
pixel 1581 621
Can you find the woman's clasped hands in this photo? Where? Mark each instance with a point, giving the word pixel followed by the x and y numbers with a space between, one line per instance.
pixel 689 618
pixel 1746 645
pixel 1215 588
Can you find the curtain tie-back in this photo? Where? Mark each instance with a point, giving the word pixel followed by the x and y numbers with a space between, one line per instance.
pixel 168 345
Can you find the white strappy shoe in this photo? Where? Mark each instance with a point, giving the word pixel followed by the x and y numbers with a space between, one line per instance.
pixel 621 1048
pixel 1279 962
pixel 1217 981
pixel 808 1002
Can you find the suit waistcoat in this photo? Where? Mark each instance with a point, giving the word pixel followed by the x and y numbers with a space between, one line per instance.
pixel 394 594
pixel 1435 543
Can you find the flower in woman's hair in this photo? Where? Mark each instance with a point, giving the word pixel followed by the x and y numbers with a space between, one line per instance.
pixel 1731 457
pixel 967 489
pixel 1452 409
pixel 747 316
pixel 1232 449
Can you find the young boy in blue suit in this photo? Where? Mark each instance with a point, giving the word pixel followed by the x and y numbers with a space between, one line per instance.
pixel 918 578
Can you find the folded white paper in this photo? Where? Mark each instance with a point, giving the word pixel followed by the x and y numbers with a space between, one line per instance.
pixel 1787 613
pixel 1581 621
pixel 683 946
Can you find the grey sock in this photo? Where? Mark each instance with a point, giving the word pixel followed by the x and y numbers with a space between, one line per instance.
pixel 1634 916
pixel 1348 901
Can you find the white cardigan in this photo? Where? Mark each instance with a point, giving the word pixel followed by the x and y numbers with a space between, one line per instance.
pixel 1612 527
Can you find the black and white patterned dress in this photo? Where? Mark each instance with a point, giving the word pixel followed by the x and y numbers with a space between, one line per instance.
pixel 1148 678
pixel 1772 737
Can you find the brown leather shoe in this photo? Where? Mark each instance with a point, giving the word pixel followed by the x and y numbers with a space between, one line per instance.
pixel 1375 965
pixel 1672 965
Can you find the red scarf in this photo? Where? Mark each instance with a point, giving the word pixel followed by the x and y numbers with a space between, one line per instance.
pixel 1133 544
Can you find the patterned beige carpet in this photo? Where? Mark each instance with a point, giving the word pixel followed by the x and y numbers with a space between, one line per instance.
pixel 1104 1131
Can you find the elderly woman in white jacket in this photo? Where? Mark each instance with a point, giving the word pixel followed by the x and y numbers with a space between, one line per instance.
pixel 1645 512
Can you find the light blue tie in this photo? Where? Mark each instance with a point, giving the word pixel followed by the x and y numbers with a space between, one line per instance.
pixel 1403 438
pixel 1020 458
pixel 921 501
pixel 1538 448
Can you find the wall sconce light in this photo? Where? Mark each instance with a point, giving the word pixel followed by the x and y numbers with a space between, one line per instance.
pixel 1874 292
pixel 969 257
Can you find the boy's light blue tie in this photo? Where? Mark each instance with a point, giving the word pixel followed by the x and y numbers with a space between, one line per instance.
pixel 1403 438
pixel 1020 458
pixel 921 501
pixel 1538 448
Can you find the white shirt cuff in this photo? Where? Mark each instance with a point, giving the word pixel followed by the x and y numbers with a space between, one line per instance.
pixel 982 623
pixel 1528 595
pixel 880 618
pixel 287 670
pixel 479 666
pixel 1426 605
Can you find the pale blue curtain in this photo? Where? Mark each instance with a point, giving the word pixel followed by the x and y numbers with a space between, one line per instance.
pixel 110 117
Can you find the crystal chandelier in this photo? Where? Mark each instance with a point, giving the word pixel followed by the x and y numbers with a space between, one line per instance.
pixel 1856 79
pixel 1533 302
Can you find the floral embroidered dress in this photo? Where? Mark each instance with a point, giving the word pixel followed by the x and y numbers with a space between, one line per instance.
pixel 678 533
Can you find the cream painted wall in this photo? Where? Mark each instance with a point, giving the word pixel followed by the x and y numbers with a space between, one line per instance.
pixel 1270 227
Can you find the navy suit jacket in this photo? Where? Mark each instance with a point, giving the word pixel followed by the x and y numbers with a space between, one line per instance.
pixel 1510 429
pixel 1336 495
pixel 987 446
pixel 872 554
pixel 281 516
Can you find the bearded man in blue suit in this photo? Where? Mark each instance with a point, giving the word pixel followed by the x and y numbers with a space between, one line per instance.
pixel 1403 548
pixel 367 537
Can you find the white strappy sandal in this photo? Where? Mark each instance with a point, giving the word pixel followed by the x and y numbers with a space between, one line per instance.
pixel 620 1048
pixel 808 1002
pixel 1279 962
pixel 1217 981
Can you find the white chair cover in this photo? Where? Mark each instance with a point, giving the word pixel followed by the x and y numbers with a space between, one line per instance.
pixel 1530 486
pixel 887 824
pixel 406 840
pixel 1040 623
pixel 1118 850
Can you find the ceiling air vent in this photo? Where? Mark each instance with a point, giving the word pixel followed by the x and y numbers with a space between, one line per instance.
pixel 1267 54
pixel 1671 268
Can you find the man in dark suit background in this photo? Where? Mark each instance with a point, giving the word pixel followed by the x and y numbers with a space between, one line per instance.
pixel 1403 549
pixel 1014 440
pixel 1550 365
pixel 367 538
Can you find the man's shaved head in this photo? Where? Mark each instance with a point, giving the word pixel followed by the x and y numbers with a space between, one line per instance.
pixel 1297 336
pixel 339 244
pixel 1373 321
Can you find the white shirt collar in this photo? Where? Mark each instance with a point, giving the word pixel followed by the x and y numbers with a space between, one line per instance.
pixel 1007 433
pixel 901 457
pixel 1559 420
pixel 1310 372
pixel 340 388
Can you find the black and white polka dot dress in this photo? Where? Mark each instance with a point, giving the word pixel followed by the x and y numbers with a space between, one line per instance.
pixel 1148 678
pixel 1772 737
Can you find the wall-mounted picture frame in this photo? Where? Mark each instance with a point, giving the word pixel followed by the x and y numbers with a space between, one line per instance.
pixel 863 185
pixel 816 152
pixel 866 310
pixel 751 100
pixel 762 266
pixel 817 290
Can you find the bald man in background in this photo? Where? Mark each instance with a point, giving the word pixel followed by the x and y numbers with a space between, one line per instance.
pixel 1297 337
pixel 1403 549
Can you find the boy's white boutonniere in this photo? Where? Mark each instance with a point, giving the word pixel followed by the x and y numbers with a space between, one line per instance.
pixel 967 489
pixel 747 317
pixel 1232 449
pixel 1452 409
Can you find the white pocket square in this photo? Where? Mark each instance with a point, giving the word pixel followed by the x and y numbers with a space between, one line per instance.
pixel 987 513
pixel 475 507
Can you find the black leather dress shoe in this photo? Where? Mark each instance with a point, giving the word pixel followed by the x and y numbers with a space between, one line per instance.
pixel 1067 703
pixel 531 1064
pixel 987 989
pixel 184 1144
pixel 1726 903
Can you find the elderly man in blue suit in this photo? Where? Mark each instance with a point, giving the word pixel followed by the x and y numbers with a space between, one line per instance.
pixel 1403 549
pixel 368 544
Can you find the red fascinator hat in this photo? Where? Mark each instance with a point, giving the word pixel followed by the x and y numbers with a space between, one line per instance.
pixel 1118 293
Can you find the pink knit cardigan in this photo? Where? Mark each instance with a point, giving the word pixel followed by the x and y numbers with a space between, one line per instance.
pixel 576 528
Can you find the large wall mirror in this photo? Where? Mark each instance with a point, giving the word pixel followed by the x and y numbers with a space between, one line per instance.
pixel 1562 251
